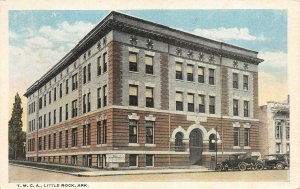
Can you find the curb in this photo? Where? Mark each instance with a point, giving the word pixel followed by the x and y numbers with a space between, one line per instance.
pixel 116 173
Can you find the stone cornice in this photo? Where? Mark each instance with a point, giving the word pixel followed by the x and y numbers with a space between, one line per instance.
pixel 113 21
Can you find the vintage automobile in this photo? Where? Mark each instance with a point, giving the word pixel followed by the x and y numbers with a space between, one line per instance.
pixel 240 161
pixel 276 161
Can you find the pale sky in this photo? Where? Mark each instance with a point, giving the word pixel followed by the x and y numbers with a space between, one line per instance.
pixel 39 39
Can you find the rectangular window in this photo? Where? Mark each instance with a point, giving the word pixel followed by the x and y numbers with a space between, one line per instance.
pixel 60 114
pixel 67 86
pixel 246 82
pixel 212 104
pixel 49 97
pixel 84 103
pixel 277 148
pixel 246 137
pixel 149 64
pixel 49 118
pixel 288 147
pixel 54 94
pixel 54 141
pixel 149 97
pixel 190 75
pixel 67 112
pixel 149 132
pixel 201 74
pixel 74 160
pixel 74 108
pixel 84 136
pixel 99 126
pixel 104 132
pixel 236 136
pixel 74 137
pixel 99 97
pixel 179 101
pixel 66 139
pixel 190 102
pixel 44 120
pixel 40 143
pixel 133 95
pixel 60 90
pixel 40 122
pixel 133 160
pixel 49 142
pixel 133 130
pixel 44 143
pixel 88 102
pixel 45 100
pixel 211 76
pixel 235 80
pixel 235 107
pixel 133 62
pixel 74 82
pixel 278 133
pixel 201 103
pixel 287 133
pixel 99 65
pixel 246 108
pixel 178 69
pixel 104 95
pixel 149 160
pixel 84 74
pixel 104 62
pixel 54 116
pixel 60 140
pixel 40 103
pixel 89 73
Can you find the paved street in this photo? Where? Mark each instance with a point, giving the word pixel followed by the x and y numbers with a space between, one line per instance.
pixel 22 174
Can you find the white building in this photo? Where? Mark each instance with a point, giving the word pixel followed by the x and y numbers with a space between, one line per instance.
pixel 274 128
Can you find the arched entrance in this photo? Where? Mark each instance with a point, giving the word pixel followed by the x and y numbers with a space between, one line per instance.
pixel 196 147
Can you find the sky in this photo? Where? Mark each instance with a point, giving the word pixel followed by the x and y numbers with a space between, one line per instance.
pixel 39 39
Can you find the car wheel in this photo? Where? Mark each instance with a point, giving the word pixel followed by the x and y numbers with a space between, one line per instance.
pixel 279 166
pixel 259 166
pixel 219 168
pixel 242 167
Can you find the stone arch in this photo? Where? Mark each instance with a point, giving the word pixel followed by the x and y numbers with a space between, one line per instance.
pixel 178 129
pixel 196 126
pixel 212 131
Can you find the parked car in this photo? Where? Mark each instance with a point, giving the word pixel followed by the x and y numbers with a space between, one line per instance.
pixel 276 161
pixel 240 162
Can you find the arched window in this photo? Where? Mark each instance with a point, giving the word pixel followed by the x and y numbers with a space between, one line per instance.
pixel 212 142
pixel 179 142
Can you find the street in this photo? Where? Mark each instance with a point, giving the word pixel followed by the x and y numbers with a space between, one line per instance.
pixel 22 174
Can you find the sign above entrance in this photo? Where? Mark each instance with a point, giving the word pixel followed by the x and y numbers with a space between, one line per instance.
pixel 115 158
pixel 197 119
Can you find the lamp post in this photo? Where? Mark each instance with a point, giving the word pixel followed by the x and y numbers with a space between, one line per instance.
pixel 215 141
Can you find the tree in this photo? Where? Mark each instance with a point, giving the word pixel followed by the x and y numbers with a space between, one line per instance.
pixel 16 136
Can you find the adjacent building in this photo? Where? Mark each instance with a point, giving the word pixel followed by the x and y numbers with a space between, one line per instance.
pixel 134 93
pixel 275 128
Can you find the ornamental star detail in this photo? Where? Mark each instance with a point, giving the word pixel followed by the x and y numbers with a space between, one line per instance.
pixel 235 63
pixel 201 56
pixel 178 51
pixel 104 41
pixel 190 54
pixel 133 40
pixel 246 66
pixel 211 58
pixel 149 44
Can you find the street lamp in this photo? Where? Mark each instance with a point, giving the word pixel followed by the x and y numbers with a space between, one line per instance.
pixel 216 141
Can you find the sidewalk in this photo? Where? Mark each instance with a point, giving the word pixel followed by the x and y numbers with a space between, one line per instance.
pixel 104 172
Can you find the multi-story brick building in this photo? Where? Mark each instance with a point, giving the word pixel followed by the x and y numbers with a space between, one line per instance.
pixel 143 94
pixel 274 128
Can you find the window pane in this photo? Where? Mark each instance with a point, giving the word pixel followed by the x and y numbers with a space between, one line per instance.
pixel 149 92
pixel 178 67
pixel 201 99
pixel 133 90
pixel 132 58
pixel 189 69
pixel 190 98
pixel 149 60
pixel 179 97
pixel 200 71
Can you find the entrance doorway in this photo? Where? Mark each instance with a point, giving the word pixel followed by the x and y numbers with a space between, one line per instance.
pixel 196 147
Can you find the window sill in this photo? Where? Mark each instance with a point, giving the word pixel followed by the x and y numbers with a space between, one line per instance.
pixel 133 144
pixel 247 147
pixel 101 145
pixel 148 74
pixel 85 146
pixel 135 72
pixel 150 145
pixel 236 147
